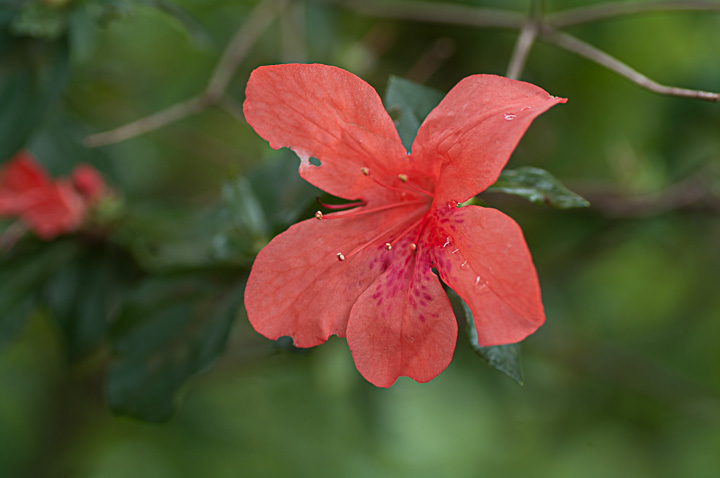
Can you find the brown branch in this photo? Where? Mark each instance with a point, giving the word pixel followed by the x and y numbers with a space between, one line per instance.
pixel 606 11
pixel 435 13
pixel 692 194
pixel 236 50
pixel 522 49
pixel 585 50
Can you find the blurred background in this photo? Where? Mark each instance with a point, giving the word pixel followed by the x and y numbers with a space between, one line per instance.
pixel 622 381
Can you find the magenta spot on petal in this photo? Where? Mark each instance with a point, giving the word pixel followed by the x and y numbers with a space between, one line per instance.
pixel 459 221
pixel 422 318
pixel 416 291
pixel 423 303
pixel 380 301
pixel 427 296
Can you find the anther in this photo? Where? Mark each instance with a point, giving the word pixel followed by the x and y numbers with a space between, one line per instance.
pixel 403 177
pixel 413 246
pixel 318 215
pixel 340 256
pixel 365 171
pixel 388 246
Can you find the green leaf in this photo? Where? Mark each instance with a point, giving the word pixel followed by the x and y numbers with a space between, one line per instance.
pixel 261 205
pixel 408 104
pixel 85 296
pixel 32 76
pixel 537 186
pixel 22 274
pixel 198 33
pixel 170 329
pixel 505 358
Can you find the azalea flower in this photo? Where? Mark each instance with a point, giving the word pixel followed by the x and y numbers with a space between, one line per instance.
pixel 46 207
pixel 368 273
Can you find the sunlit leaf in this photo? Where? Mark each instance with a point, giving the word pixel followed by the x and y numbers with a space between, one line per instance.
pixel 170 329
pixel 537 186
pixel 505 358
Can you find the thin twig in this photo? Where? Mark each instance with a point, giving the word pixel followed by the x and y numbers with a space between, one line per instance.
pixel 522 49
pixel 435 13
pixel 255 24
pixel 605 11
pixel 692 194
pixel 148 123
pixel 430 61
pixel 236 50
pixel 585 50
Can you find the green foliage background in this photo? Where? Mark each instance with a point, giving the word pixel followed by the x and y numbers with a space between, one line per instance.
pixel 623 380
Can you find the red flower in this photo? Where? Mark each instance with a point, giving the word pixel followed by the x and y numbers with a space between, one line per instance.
pixel 367 273
pixel 48 208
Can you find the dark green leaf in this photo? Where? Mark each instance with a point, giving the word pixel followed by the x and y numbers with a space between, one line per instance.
pixel 537 186
pixel 505 358
pixel 408 104
pixel 170 329
pixel 22 274
pixel 261 205
pixel 32 76
pixel 85 296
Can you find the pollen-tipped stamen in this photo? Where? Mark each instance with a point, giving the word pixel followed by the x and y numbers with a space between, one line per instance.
pixel 374 240
pixel 319 215
pixel 402 177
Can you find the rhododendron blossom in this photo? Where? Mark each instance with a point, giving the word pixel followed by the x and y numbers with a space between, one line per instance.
pixel 367 273
pixel 48 208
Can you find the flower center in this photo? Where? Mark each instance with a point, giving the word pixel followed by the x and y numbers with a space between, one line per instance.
pixel 410 194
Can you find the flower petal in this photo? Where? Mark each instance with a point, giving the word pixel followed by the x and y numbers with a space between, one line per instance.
pixel 327 113
pixel 481 254
pixel 297 285
pixel 468 138
pixel 56 209
pixel 20 181
pixel 403 324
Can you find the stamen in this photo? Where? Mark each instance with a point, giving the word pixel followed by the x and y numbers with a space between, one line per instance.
pixel 420 190
pixel 402 177
pixel 340 256
pixel 413 246
pixel 318 215
pixel 374 240
pixel 369 211
pixel 341 206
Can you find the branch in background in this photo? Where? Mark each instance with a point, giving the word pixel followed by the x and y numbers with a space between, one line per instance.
pixel 692 194
pixel 431 60
pixel 435 13
pixel 482 17
pixel 585 50
pixel 214 94
pixel 522 49
pixel 607 11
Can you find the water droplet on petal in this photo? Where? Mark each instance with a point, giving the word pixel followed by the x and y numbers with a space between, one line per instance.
pixel 509 116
